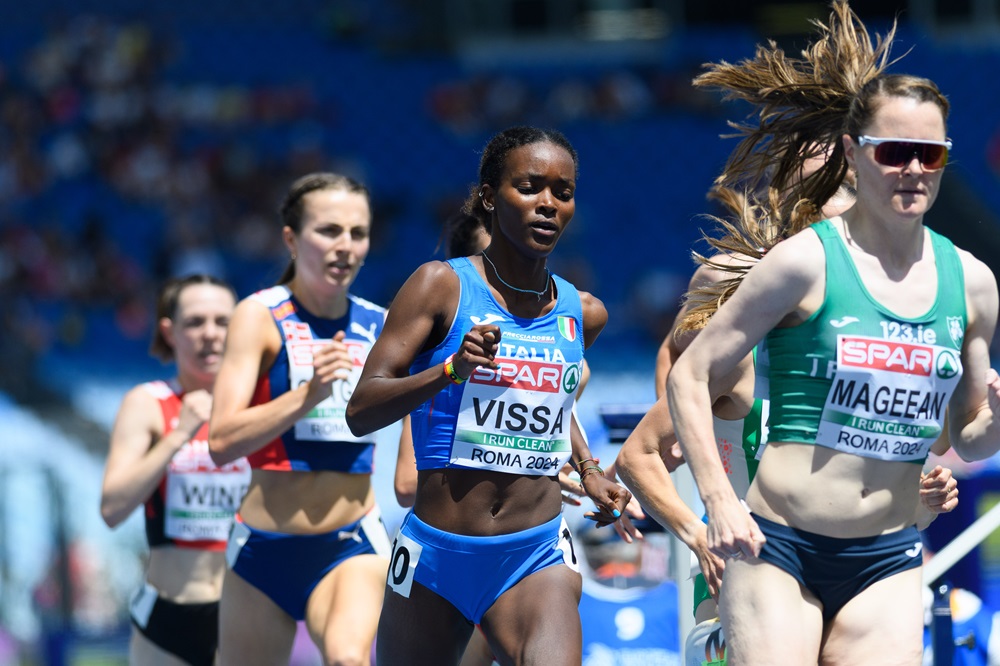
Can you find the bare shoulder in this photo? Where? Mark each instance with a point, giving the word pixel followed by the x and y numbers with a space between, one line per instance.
pixel 595 316
pixel 251 311
pixel 798 257
pixel 434 284
pixel 978 275
pixel 593 309
pixel 139 410
pixel 980 286
pixel 784 288
pixel 715 270
pixel 706 274
pixel 252 326
pixel 435 274
pixel 140 397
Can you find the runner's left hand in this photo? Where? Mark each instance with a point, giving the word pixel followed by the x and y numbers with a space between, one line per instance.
pixel 611 500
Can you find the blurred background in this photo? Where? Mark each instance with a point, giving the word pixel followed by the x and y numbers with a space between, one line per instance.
pixel 140 141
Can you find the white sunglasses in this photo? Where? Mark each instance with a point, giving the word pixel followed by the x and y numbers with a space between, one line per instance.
pixel 895 152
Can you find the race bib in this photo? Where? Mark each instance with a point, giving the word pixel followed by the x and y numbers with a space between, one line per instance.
pixel 567 547
pixel 516 418
pixel 705 645
pixel 200 505
pixel 403 564
pixel 888 399
pixel 141 606
pixel 237 539
pixel 326 422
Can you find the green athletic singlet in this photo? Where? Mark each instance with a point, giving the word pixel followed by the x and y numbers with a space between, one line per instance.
pixel 860 379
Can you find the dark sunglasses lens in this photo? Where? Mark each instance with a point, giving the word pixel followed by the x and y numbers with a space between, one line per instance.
pixel 934 157
pixel 899 153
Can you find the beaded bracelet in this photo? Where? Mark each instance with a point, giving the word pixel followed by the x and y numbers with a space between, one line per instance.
pixel 590 469
pixel 449 371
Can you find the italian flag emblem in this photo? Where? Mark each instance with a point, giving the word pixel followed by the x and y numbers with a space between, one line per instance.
pixel 567 328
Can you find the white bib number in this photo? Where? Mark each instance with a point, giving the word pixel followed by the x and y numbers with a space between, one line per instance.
pixel 403 564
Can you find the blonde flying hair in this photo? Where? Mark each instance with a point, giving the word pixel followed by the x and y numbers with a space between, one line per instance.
pixel 802 106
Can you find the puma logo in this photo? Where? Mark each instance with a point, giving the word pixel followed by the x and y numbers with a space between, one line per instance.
pixel 353 535
pixel 917 547
pixel 488 319
pixel 844 321
pixel 366 333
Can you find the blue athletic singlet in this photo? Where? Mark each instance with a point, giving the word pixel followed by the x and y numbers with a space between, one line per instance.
pixel 194 505
pixel 515 419
pixel 320 440
pixel 859 379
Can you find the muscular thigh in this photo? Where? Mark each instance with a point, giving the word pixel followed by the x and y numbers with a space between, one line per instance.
pixel 883 625
pixel 421 628
pixel 342 612
pixel 252 628
pixel 538 620
pixel 768 617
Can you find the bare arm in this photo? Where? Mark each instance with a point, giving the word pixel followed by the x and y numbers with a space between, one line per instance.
pixel 237 429
pixel 943 443
pixel 139 452
pixel 610 498
pixel 419 318
pixel 666 356
pixel 644 464
pixel 784 288
pixel 975 406
pixel 405 479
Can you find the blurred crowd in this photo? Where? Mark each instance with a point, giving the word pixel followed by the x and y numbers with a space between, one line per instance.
pixel 622 94
pixel 116 172
pixel 112 178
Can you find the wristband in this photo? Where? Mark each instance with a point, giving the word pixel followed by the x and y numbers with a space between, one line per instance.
pixel 449 371
pixel 579 465
pixel 590 469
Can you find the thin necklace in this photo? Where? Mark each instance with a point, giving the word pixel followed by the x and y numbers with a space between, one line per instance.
pixel 538 294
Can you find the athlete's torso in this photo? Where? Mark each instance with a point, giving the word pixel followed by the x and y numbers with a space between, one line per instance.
pixel 488 450
pixel 859 379
pixel 515 419
pixel 855 391
pixel 194 504
pixel 189 515
pixel 320 441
